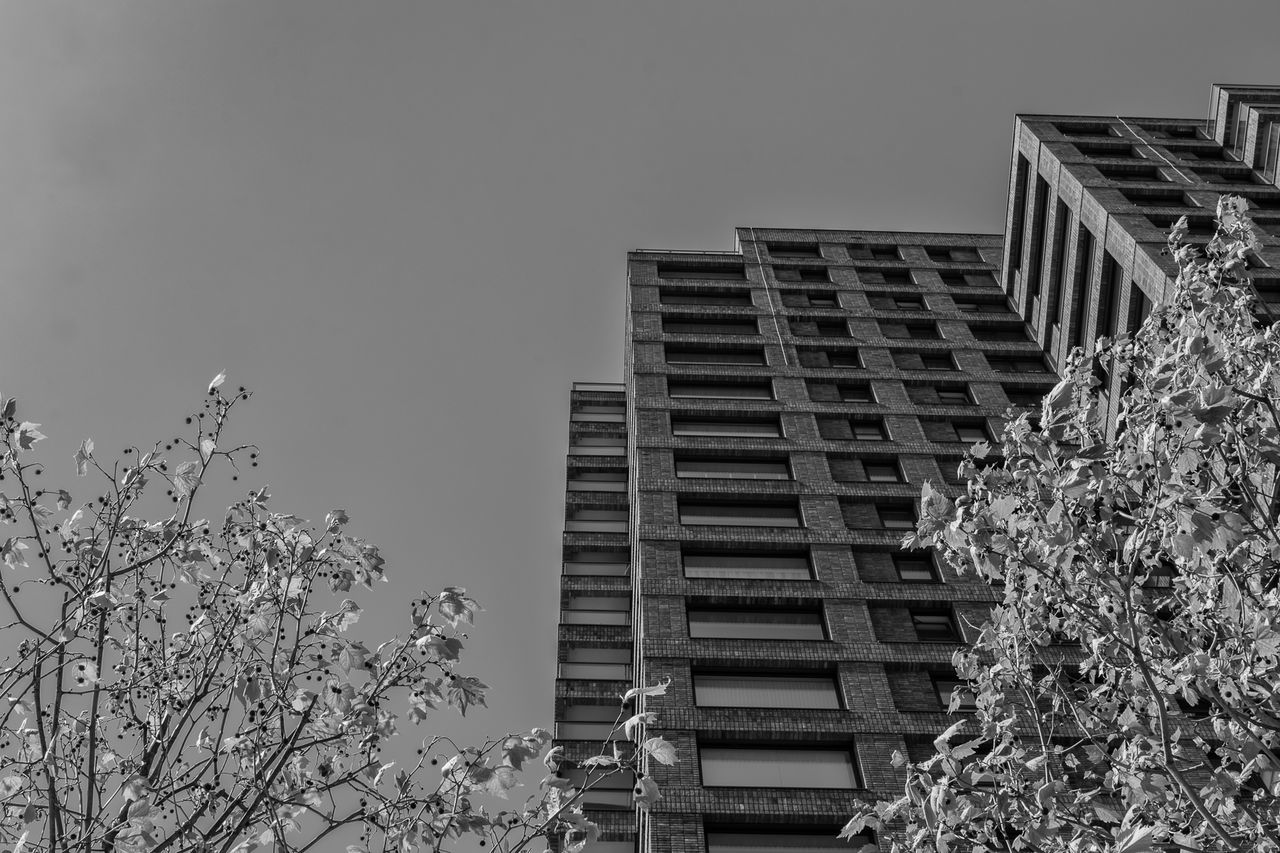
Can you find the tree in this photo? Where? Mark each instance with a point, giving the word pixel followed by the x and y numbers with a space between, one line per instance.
pixel 187 685
pixel 1127 686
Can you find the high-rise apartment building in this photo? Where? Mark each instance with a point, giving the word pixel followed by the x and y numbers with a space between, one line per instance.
pixel 734 508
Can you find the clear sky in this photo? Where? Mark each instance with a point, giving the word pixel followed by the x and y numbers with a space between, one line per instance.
pixel 404 224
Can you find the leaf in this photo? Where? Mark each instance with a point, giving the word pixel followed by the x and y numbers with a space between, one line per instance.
pixel 11 552
pixel 630 727
pixel 64 499
pixel 1135 839
pixel 206 448
pixel 136 788
pixel 186 478
pixel 646 792
pixel 655 690
pixel 455 606
pixel 12 785
pixel 942 741
pixel 660 750
pixel 27 435
pixel 217 382
pixel 553 758
pixel 335 519
pixel 348 614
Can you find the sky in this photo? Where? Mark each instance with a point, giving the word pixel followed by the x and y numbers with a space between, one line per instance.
pixel 404 225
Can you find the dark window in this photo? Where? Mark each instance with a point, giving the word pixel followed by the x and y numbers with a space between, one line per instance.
pixel 794 250
pixel 1135 173
pixel 913 331
pixel 1025 398
pixel 736 467
pixel 1016 363
pixel 934 626
pixel 1079 285
pixel 709 327
pixel 947 686
pixel 764 690
pixel 772 624
pixel 882 472
pixel 898 279
pixel 851 393
pixel 976 278
pixel 890 302
pixel 885 253
pixel 814 274
pixel 684 425
pixel 897 516
pixel 739 514
pixel 755 838
pixel 690 355
pixel 1008 334
pixel 915 568
pixel 1058 262
pixel 748 565
pixel 1037 236
pixel 730 272
pixel 1112 274
pixel 669 296
pixel 868 430
pixel 954 397
pixel 1019 199
pixel 983 306
pixel 777 767
pixel 720 390
pixel 1153 197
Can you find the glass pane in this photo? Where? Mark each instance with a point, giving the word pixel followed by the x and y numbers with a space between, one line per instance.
pixel 755 624
pixel 772 842
pixel 737 468
pixel 740 515
pixel 714 357
pixel 587 731
pixel 594 617
pixel 745 767
pixel 739 429
pixel 720 391
pixel 764 691
pixel 764 567
pixel 602 671
pixel 606 569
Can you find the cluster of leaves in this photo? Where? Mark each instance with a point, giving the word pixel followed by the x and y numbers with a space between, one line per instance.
pixel 181 684
pixel 1127 687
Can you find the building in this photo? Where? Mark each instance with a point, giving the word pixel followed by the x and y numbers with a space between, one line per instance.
pixel 734 508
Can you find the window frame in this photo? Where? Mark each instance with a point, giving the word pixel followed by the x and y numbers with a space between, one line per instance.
pixel 818 620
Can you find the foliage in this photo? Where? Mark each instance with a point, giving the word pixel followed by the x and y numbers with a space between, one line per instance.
pixel 1127 684
pixel 181 684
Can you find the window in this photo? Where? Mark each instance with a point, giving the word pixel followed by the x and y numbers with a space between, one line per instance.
pixel 721 390
pixel 590 722
pixel 777 767
pixel 725 272
pixel 1019 204
pixel 603 664
pixel 794 250
pixel 855 393
pixel 756 624
pixel 599 414
pixel 597 520
pixel 897 516
pixel 1153 197
pixel 1004 334
pixel 788 565
pixel 979 278
pixel 607 792
pixel 1016 363
pixel 606 563
pixel 905 360
pixel 598 446
pixel 1025 398
pixel 1040 210
pixel 598 481
pixel 915 568
pixel 889 302
pixel 942 254
pixel 785 274
pixel 735 514
pixel 597 610
pixel 753 690
pixel 885 253
pixel 735 467
pixel 709 327
pixel 934 626
pixel 821 299
pixel 946 686
pixel 982 306
pixel 766 839
pixel 868 430
pixel 1108 299
pixel 1084 269
pixel 971 433
pixel 954 397
pixel 688 355
pixel 1135 173
pixel 818 326
pixel 913 331
pixel 831 357
pixel 726 427
pixel 882 472
pixel 898 278
pixel 670 296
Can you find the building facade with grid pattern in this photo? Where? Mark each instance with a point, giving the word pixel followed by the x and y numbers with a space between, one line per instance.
pixel 735 507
